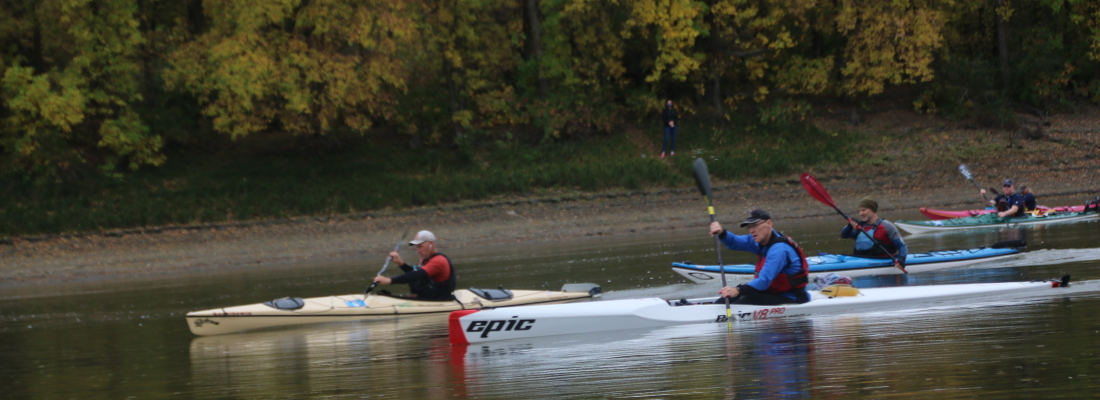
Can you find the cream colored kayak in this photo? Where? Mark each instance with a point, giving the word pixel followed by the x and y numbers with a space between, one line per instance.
pixel 295 311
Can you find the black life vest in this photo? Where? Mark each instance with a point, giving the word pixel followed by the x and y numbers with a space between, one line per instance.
pixel 785 282
pixel 426 289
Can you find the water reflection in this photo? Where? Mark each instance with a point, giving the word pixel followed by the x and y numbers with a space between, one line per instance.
pixel 322 359
pixel 127 338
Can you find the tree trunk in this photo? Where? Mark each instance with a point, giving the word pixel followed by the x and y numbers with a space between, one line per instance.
pixel 1002 44
pixel 37 61
pixel 196 21
pixel 452 91
pixel 536 43
pixel 148 49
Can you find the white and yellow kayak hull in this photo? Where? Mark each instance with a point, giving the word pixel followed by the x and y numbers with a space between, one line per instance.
pixel 353 307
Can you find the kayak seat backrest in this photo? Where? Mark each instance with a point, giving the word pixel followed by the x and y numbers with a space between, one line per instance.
pixel 493 294
pixel 286 303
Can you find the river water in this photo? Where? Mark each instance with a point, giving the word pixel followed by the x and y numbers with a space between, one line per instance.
pixel 127 339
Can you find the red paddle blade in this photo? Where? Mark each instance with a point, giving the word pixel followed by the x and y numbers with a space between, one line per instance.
pixel 814 188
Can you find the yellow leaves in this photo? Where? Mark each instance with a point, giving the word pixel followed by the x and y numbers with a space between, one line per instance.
pixel 338 61
pixel 888 43
pixel 676 24
pixel 33 101
pixel 1004 10
pixel 801 75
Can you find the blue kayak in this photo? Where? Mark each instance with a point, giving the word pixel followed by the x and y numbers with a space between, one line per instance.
pixel 853 266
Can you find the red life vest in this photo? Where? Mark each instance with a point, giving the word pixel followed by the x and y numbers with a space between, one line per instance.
pixel 785 282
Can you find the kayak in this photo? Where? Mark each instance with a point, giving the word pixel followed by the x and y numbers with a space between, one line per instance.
pixel 852 266
pixel 474 326
pixel 934 214
pixel 352 307
pixel 991 221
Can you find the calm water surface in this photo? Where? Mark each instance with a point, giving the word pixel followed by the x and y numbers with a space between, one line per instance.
pixel 127 339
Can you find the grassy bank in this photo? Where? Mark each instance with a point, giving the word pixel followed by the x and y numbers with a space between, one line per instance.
pixel 276 176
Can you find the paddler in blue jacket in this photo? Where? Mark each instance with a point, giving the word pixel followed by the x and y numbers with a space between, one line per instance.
pixel 884 232
pixel 781 269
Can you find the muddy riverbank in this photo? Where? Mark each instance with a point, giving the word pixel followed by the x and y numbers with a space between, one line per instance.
pixel 910 161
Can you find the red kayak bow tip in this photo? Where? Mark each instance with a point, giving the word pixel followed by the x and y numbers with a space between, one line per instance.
pixel 454 327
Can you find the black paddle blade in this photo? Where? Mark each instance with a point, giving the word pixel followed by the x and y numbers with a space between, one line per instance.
pixel 702 179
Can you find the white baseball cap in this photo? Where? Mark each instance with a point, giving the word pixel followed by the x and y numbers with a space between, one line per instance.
pixel 421 237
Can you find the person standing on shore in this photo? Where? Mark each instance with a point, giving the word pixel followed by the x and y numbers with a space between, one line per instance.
pixel 433 279
pixel 1014 203
pixel 670 118
pixel 781 269
pixel 878 230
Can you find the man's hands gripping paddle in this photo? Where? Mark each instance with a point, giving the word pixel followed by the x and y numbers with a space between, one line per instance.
pixel 814 188
pixel 387 264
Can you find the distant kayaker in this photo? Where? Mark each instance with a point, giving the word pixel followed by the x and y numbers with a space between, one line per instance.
pixel 1030 203
pixel 1014 203
pixel 433 279
pixel 781 269
pixel 884 232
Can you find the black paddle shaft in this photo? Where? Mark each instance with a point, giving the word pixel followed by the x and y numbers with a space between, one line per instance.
pixel 880 246
pixel 702 181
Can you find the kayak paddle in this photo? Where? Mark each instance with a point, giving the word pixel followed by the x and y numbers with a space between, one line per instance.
pixel 966 172
pixel 814 188
pixel 387 264
pixel 702 180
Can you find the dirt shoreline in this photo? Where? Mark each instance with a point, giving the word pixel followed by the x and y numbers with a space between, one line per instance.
pixel 912 166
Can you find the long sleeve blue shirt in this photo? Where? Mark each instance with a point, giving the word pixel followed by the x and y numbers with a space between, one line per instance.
pixel 782 258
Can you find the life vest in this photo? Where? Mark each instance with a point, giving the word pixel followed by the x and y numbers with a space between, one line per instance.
pixel 425 288
pixel 865 246
pixel 784 282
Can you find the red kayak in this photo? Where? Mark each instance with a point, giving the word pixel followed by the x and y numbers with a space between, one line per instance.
pixel 946 214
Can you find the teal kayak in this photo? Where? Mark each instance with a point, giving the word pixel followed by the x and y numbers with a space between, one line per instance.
pixel 852 266
pixel 992 221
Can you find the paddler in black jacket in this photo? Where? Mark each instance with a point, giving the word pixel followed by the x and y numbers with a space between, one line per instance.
pixel 1014 203
pixel 433 279
pixel 781 269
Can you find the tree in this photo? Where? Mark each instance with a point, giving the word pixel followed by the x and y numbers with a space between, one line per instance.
pixel 296 65
pixel 69 89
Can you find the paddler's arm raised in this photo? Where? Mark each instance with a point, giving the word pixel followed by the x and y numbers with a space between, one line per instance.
pixel 734 242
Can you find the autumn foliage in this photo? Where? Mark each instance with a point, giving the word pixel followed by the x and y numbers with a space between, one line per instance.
pixel 109 83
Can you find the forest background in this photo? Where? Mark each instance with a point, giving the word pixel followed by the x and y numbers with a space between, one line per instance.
pixel 135 113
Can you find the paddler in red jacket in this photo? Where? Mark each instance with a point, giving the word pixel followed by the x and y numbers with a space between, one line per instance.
pixel 433 279
pixel 781 269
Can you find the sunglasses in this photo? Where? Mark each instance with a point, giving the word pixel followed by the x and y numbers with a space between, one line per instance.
pixel 1006 185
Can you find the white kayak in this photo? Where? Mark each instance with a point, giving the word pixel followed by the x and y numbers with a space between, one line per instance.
pixel 474 326
pixel 295 311
pixel 852 266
